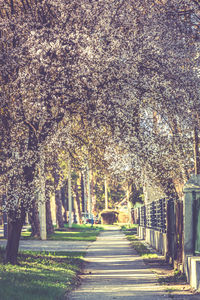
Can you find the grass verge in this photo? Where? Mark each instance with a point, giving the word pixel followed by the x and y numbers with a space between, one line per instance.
pixel 40 275
pixel 166 274
pixel 141 249
pixel 76 233
pixel 129 227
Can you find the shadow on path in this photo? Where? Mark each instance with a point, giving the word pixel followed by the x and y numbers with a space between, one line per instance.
pixel 115 271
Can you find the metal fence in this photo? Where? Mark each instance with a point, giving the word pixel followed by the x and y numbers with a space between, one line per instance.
pixel 151 215
pixel 166 216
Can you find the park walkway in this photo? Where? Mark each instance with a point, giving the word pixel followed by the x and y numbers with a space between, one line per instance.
pixel 38 245
pixel 115 271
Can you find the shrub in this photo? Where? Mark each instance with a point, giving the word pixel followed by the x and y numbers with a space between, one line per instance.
pixel 109 217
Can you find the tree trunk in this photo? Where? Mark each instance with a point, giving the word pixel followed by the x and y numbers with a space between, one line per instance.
pixel 70 205
pixel 59 217
pixel 14 233
pixel 49 223
pixel 82 193
pixel 64 198
pixel 93 195
pixel 88 190
pixel 85 192
pixel 196 152
pixel 58 199
pixel 16 223
pixel 106 193
pixel 34 221
pixel 42 197
pixel 78 204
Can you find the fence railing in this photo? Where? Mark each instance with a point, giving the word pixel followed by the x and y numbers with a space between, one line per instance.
pixel 152 215
pixel 166 216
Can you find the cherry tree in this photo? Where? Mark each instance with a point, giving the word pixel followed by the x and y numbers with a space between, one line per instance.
pixel 94 65
pixel 48 58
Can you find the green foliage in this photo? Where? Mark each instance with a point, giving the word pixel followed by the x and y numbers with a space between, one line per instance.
pixel 40 275
pixel 99 192
pixel 116 193
pixel 136 195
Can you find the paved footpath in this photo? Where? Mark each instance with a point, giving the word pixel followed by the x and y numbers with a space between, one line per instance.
pixel 115 271
pixel 51 245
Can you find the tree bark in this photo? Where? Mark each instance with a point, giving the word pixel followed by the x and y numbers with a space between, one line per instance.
pixel 93 195
pixel 88 190
pixel 106 193
pixel 59 217
pixel 78 204
pixel 58 199
pixel 14 232
pixel 82 193
pixel 49 223
pixel 70 205
pixel 42 197
pixel 196 152
pixel 15 223
pixel 34 221
pixel 64 198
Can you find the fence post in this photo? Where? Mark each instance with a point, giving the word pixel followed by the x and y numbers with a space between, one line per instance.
pixel 170 231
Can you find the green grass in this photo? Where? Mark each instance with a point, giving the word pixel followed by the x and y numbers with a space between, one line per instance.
pixel 141 249
pixel 76 233
pixel 83 227
pixel 40 275
pixel 129 227
pixel 75 236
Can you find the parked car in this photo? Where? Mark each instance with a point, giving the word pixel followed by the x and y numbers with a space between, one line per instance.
pixel 97 220
pixel 85 218
pixel 90 219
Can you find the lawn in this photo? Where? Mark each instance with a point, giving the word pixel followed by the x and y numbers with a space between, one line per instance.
pixel 40 275
pixel 76 233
